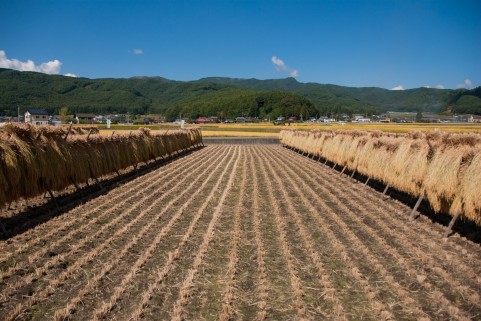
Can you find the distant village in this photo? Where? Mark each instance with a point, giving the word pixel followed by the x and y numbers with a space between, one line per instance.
pixel 42 117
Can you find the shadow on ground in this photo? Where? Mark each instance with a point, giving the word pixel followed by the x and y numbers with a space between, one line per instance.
pixel 37 215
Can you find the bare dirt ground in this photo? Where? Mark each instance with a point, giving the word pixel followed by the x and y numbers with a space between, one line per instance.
pixel 246 232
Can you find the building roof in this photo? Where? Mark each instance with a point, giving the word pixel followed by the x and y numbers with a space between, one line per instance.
pixel 80 115
pixel 33 111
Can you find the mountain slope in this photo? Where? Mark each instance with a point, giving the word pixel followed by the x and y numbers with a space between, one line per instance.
pixel 217 96
pixel 331 98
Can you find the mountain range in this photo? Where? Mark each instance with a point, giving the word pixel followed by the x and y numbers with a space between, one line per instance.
pixel 219 96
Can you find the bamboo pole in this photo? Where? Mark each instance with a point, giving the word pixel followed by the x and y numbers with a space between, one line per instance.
pixel 342 172
pixel 367 181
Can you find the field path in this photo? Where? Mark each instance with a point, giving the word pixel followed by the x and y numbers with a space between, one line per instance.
pixel 239 232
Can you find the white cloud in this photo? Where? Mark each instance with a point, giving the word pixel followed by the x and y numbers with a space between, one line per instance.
pixel 400 87
pixel 439 87
pixel 70 75
pixel 51 67
pixel 136 51
pixel 281 67
pixel 467 84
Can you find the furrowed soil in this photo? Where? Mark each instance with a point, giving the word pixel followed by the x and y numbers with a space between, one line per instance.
pixel 239 232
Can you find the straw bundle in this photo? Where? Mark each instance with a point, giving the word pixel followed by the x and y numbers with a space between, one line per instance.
pixel 444 175
pixel 36 159
pixel 444 167
pixel 409 166
pixel 470 188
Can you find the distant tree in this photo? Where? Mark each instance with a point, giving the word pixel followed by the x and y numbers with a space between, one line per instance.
pixel 419 116
pixel 64 112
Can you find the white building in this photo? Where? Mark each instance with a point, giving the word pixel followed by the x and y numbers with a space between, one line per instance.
pixel 36 117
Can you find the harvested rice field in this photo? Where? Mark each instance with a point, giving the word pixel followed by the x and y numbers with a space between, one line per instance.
pixel 239 232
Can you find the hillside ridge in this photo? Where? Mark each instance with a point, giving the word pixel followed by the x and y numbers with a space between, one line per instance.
pixel 219 96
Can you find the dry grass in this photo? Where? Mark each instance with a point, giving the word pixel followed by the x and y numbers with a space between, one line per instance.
pixel 34 159
pixel 270 130
pixel 444 167
pixel 264 234
pixel 394 127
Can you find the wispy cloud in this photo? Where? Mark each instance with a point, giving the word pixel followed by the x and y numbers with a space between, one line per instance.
pixel 136 51
pixel 436 87
pixel 51 67
pixel 400 87
pixel 282 67
pixel 467 84
pixel 70 75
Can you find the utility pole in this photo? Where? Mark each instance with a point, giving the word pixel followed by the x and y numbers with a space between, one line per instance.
pixel 18 113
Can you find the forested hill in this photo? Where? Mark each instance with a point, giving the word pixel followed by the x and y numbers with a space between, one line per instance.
pixel 226 97
pixel 367 99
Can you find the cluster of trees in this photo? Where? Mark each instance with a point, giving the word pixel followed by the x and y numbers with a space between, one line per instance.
pixel 465 102
pixel 234 102
pixel 222 97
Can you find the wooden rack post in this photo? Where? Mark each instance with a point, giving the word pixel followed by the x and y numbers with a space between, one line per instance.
pixel 353 173
pixel 413 215
pixel 343 169
pixel 385 190
pixel 367 180
pixel 51 194
pixel 449 230
pixel 68 132
pixel 77 188
pixel 99 183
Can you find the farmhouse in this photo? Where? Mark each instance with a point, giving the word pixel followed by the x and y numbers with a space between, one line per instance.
pixel 85 118
pixel 203 120
pixel 474 119
pixel 36 116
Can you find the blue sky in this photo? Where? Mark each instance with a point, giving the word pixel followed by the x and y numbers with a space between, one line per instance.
pixel 389 44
